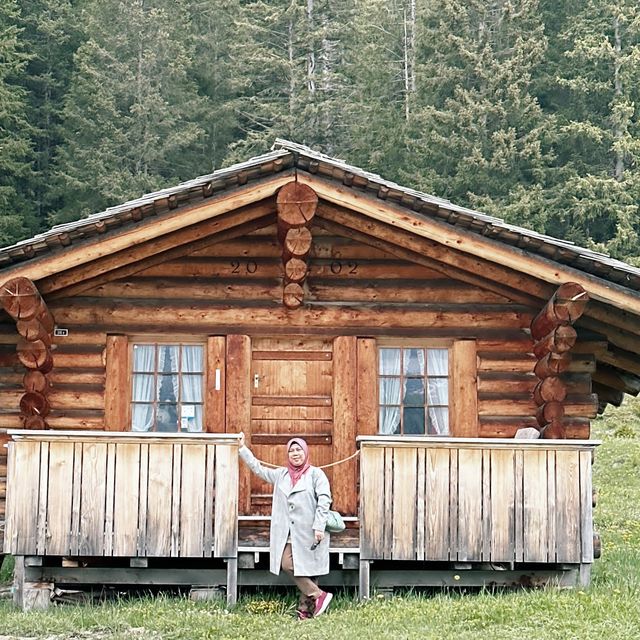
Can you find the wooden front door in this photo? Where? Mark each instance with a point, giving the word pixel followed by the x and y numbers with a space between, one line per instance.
pixel 291 395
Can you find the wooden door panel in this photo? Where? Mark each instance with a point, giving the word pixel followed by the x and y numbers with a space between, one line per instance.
pixel 291 395
pixel 292 377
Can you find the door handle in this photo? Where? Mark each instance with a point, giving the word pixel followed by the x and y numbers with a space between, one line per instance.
pixel 256 380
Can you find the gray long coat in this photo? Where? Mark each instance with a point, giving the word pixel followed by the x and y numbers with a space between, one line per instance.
pixel 297 512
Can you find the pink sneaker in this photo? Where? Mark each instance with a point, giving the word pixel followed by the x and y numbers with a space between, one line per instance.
pixel 322 603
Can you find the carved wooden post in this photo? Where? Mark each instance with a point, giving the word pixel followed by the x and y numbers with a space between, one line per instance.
pixel 553 338
pixel 297 205
pixel 34 322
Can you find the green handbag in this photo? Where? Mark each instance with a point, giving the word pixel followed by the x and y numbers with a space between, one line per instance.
pixel 335 523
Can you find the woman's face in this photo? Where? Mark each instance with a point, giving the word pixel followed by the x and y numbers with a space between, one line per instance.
pixel 296 455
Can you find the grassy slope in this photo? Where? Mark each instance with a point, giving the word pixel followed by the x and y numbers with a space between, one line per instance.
pixel 610 608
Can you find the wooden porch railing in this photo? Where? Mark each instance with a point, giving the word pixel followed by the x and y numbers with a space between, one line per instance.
pixel 476 500
pixel 122 494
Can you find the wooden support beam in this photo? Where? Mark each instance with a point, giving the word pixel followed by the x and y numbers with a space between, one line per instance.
pixel 472 244
pixel 403 244
pixel 149 229
pixel 616 379
pixel 155 251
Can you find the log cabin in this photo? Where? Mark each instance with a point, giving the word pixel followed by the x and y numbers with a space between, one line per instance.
pixel 409 340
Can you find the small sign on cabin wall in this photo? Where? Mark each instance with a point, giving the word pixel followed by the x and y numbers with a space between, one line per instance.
pixel 59 332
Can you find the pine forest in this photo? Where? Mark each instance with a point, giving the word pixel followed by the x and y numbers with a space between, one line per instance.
pixel 528 110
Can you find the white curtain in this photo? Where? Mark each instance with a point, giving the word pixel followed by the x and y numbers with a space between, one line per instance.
pixel 438 391
pixel 389 391
pixel 143 387
pixel 193 364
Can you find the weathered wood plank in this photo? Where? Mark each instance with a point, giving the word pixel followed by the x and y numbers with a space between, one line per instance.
pixel 110 499
pixel 159 493
pixel 22 532
pixel 469 544
pixel 367 386
pixel 215 386
pixel 403 513
pixel 440 485
pixel 209 500
pixel 238 409
pixel 502 514
pixel 372 503
pixel 76 492
pixel 226 509
pixel 93 499
pixel 176 507
pixel 59 505
pixel 463 408
pixel 41 497
pixel 586 508
pixel 420 503
pixel 126 499
pixel 535 507
pixel 568 518
pixel 344 423
pixel 192 501
pixel 143 506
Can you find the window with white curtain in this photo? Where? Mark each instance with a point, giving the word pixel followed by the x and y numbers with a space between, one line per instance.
pixel 413 391
pixel 167 387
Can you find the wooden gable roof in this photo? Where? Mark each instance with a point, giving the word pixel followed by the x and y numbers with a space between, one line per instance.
pixel 514 262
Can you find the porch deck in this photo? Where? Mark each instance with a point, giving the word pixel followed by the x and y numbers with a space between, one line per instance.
pixel 125 509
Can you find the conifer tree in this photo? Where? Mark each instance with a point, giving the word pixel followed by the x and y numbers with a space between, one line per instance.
pixel 130 115
pixel 16 211
pixel 599 149
pixel 49 35
pixel 289 69
pixel 478 134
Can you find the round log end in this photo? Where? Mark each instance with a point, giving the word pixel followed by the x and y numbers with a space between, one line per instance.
pixel 295 270
pixel 293 295
pixel 297 242
pixel 555 431
pixel 296 204
pixel 551 389
pixel 36 381
pixel 34 422
pixel 20 298
pixel 550 412
pixel 33 403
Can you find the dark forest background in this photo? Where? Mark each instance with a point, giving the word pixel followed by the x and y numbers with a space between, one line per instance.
pixel 524 109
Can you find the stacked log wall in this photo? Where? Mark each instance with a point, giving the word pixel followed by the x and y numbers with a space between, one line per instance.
pixel 353 289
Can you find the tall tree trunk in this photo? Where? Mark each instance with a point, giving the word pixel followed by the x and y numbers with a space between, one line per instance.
pixel 311 55
pixel 618 128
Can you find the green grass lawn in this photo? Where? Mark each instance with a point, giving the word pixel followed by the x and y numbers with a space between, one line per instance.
pixel 609 609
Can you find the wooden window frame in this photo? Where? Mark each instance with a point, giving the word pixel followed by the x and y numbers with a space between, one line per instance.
pixel 405 344
pixel 176 341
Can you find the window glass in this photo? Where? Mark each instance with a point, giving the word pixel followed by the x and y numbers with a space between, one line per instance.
pixel 413 391
pixel 167 384
pixel 389 362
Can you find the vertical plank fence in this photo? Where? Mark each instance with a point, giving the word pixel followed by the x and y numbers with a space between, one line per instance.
pixel 78 494
pixel 476 500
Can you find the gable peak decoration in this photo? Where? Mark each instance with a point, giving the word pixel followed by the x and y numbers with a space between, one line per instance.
pixel 296 204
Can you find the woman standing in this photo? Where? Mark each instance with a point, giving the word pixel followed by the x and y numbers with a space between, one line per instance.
pixel 298 542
